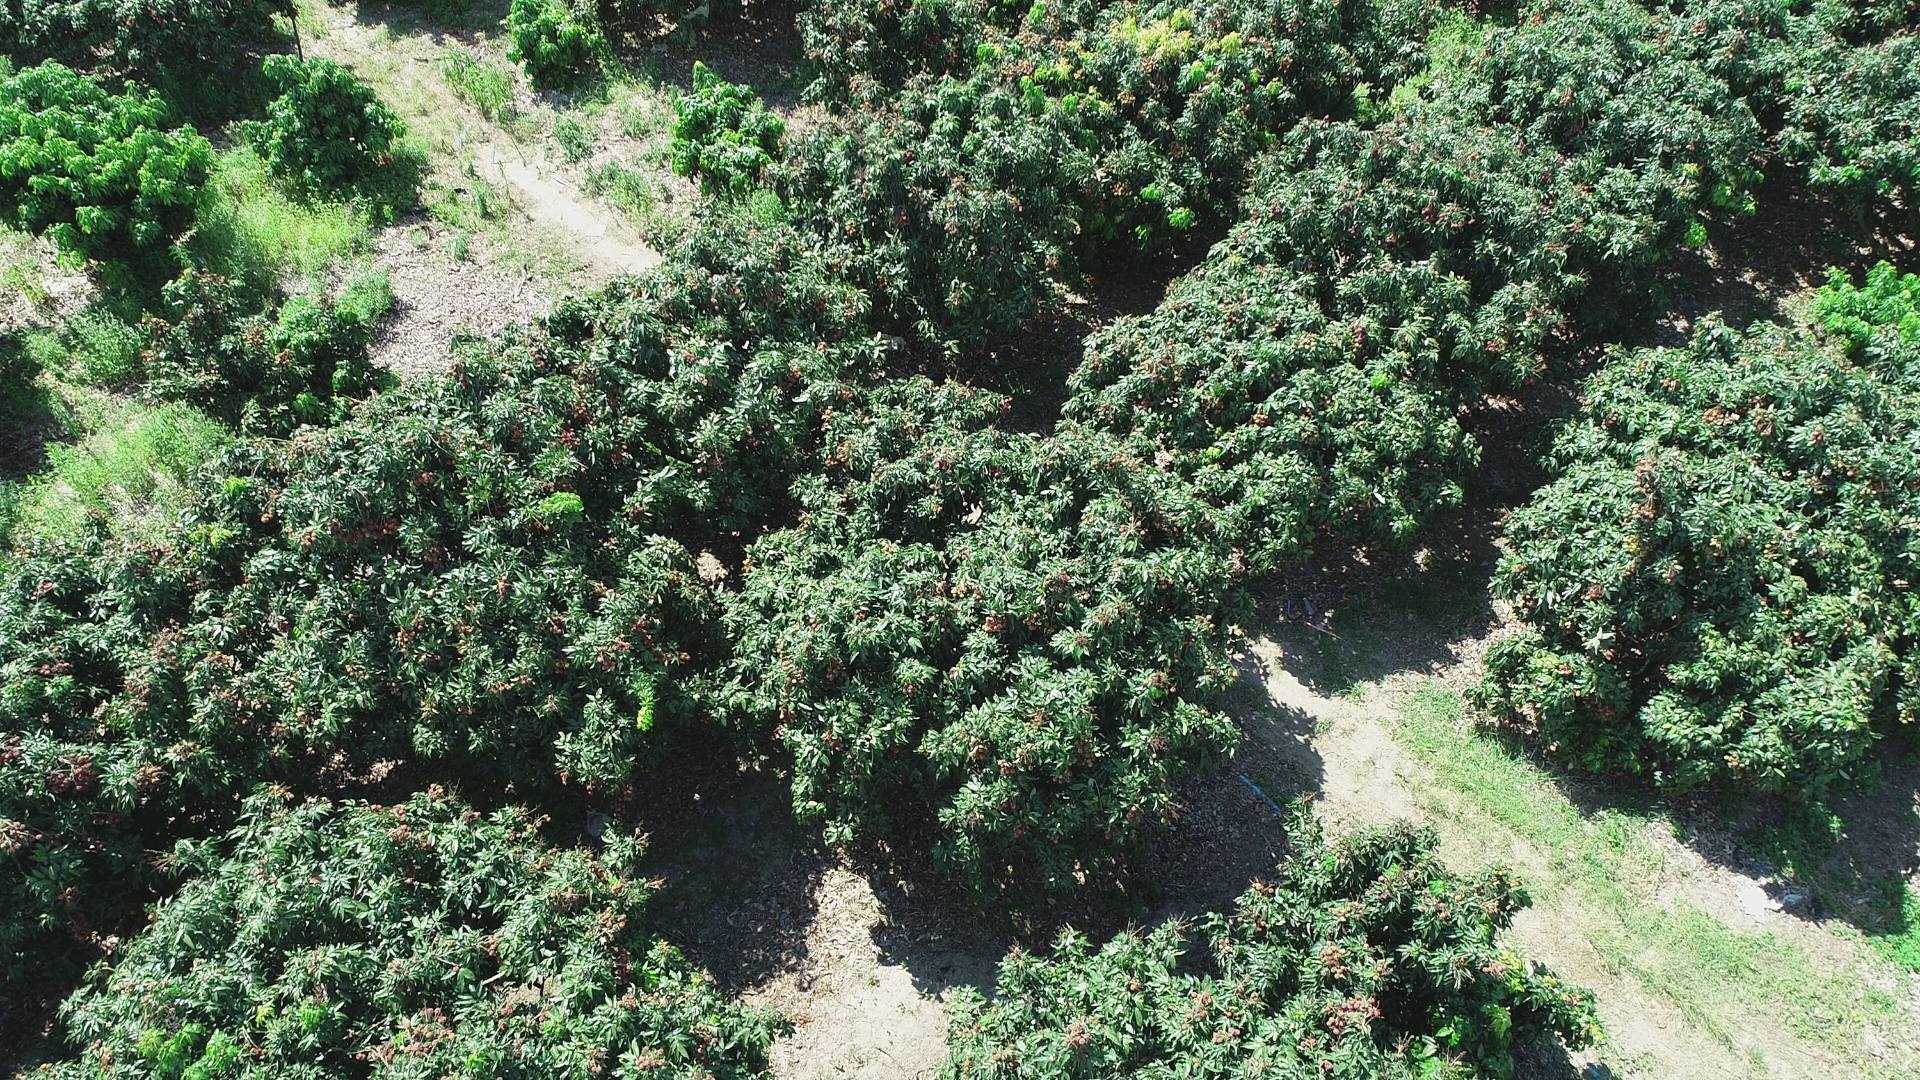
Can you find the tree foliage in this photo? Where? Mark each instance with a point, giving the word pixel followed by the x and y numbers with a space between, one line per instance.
pixel 306 364
pixel 1016 636
pixel 420 940
pixel 327 131
pixel 1717 583
pixel 137 37
pixel 1364 958
pixel 479 573
pixel 98 172
pixel 556 41
pixel 723 134
pixel 1853 121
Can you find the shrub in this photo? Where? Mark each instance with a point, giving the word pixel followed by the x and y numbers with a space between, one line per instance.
pixel 1364 958
pixel 327 130
pixel 1715 585
pixel 1018 635
pixel 306 364
pixel 1853 122
pixel 556 42
pixel 95 170
pixel 419 940
pixel 1882 312
pixel 723 134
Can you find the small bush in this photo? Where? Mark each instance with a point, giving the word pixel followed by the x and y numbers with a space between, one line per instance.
pixel 96 171
pixel 1365 958
pixel 1882 312
pixel 440 942
pixel 575 140
pixel 327 131
pixel 723 134
pixel 305 365
pixel 557 43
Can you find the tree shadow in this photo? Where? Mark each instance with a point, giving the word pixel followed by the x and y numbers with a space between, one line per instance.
pixel 1752 266
pixel 738 874
pixel 1352 615
pixel 758 48
pixel 1229 832
pixel 1854 858
pixel 442 22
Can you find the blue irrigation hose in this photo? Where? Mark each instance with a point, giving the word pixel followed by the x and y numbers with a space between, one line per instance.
pixel 1263 795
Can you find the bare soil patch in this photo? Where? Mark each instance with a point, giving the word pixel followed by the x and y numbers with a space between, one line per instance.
pixel 436 296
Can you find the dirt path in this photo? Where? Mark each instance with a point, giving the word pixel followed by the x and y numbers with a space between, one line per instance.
pixel 549 238
pixel 549 200
pixel 856 1013
pixel 1367 774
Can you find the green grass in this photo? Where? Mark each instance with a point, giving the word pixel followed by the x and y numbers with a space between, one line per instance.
pixel 575 140
pixel 20 267
pixel 126 476
pixel 252 231
pixel 96 347
pixel 1812 845
pixel 1604 866
pixel 639 197
pixel 486 86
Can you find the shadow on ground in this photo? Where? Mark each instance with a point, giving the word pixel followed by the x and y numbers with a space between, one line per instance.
pixel 739 874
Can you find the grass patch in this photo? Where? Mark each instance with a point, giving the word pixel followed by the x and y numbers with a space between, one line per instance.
pixel 1604 866
pixel 1813 845
pixel 20 271
pixel 96 347
pixel 127 476
pixel 486 86
pixel 640 197
pixel 253 232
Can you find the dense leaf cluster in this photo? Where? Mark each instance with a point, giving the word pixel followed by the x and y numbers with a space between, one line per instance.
pixel 406 942
pixel 138 37
pixel 988 159
pixel 1015 635
pixel 306 364
pixel 480 573
pixel 327 130
pixel 723 134
pixel 1718 585
pixel 1853 121
pixel 98 172
pixel 556 41
pixel 1310 372
pixel 1365 958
